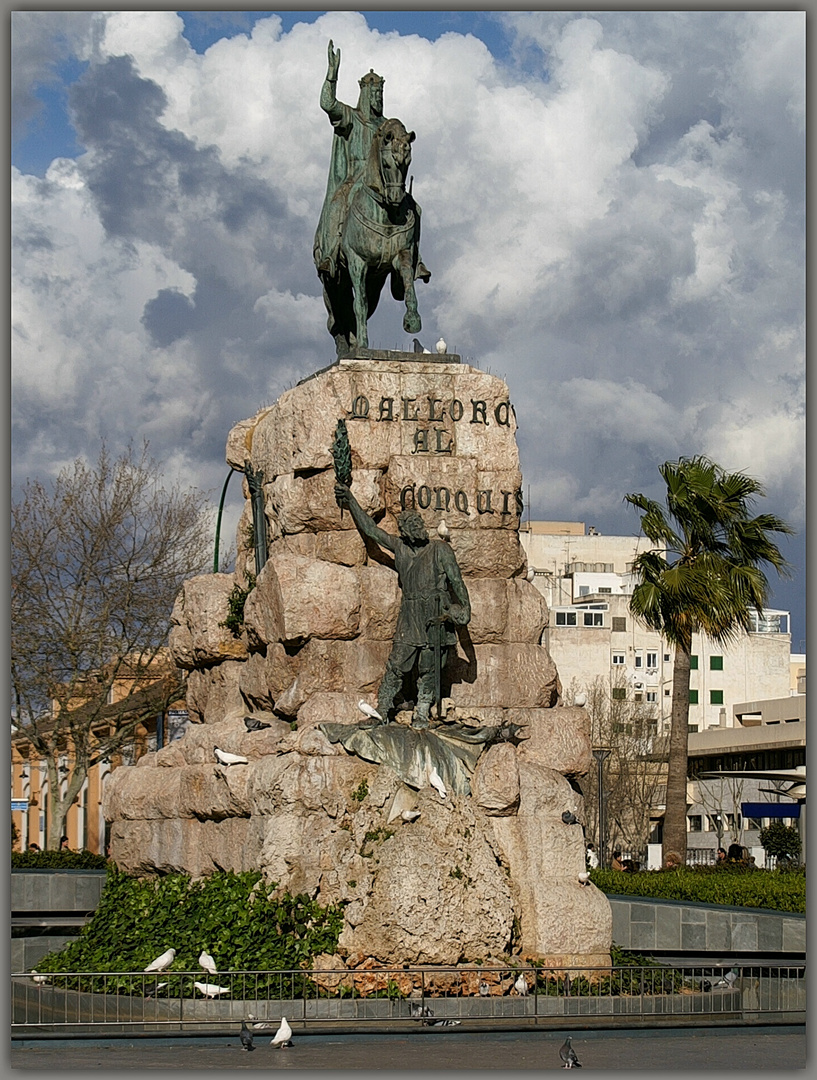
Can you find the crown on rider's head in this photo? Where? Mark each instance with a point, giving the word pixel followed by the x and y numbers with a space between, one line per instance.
pixel 371 77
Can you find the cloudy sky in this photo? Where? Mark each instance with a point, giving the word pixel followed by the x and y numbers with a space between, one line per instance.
pixel 613 214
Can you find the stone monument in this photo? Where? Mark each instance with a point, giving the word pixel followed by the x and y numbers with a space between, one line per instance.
pixel 420 781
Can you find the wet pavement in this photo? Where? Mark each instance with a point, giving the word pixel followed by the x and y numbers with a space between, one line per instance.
pixel 750 1049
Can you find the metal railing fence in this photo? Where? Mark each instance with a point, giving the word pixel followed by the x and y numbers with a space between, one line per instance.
pixel 112 1003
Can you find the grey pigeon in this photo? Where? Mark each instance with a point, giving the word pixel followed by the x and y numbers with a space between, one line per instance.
pixel 727 981
pixel 569 819
pixel 246 1037
pixel 418 346
pixel 568 1055
pixel 251 724
pixel 421 1012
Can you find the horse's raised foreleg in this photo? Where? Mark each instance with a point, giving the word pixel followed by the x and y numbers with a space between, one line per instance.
pixel 412 323
pixel 357 273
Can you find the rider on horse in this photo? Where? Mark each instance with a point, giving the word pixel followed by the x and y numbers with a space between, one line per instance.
pixel 354 131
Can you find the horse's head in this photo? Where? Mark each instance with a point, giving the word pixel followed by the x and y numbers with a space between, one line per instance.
pixel 389 159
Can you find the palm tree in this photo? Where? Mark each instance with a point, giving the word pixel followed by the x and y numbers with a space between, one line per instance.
pixel 706 576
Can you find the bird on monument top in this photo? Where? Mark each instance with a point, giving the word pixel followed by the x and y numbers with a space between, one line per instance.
pixel 419 347
pixel 443 531
pixel 568 1055
pixel 224 757
pixel 441 346
pixel 436 782
pixel 369 710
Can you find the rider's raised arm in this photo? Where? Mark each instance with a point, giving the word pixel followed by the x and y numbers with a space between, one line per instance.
pixel 329 102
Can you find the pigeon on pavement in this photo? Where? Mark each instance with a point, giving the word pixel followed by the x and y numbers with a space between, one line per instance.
pixel 568 1055
pixel 521 985
pixel 246 1037
pixel 369 710
pixel 162 962
pixel 208 963
pixel 251 724
pixel 436 782
pixel 210 990
pixel 283 1036
pixel 226 758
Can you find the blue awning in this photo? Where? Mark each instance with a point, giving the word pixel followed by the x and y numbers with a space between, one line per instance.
pixel 770 809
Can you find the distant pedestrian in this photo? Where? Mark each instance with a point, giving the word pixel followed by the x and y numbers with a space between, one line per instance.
pixel 64 844
pixel 616 863
pixel 33 847
pixel 591 857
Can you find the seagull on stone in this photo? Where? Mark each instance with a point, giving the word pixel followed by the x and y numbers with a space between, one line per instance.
pixel 531 574
pixel 568 1055
pixel 369 710
pixel 226 758
pixel 251 724
pixel 208 963
pixel 521 985
pixel 443 531
pixel 436 782
pixel 283 1036
pixel 210 990
pixel 162 962
pixel 246 1037
pixel 584 877
pixel 441 346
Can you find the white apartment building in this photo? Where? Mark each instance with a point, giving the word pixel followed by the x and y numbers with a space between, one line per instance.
pixel 587 580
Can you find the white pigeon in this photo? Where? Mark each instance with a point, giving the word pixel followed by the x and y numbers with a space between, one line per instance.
pixel 580 700
pixel 441 346
pixel 443 531
pixel 436 782
pixel 369 710
pixel 40 979
pixel 521 985
pixel 531 574
pixel 568 1055
pixel 208 963
pixel 283 1036
pixel 410 815
pixel 584 877
pixel 484 988
pixel 210 990
pixel 162 962
pixel 225 758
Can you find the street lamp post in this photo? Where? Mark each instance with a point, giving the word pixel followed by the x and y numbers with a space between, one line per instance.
pixel 601 753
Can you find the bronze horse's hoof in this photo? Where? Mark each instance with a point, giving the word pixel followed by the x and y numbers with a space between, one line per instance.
pixel 412 323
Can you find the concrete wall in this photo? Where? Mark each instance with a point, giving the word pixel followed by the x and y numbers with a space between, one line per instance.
pixel 658 926
pixel 48 910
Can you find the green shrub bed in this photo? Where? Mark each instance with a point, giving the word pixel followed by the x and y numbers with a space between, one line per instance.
pixel 775 890
pixel 232 916
pixel 57 860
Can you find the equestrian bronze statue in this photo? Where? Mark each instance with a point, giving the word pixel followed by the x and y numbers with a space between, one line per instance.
pixel 369 228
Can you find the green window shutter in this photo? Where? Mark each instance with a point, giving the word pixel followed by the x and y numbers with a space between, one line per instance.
pixel 619 693
pixel 716 663
pixel 716 697
pixel 693 697
pixel 693 663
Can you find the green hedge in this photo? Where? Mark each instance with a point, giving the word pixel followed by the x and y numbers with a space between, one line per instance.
pixel 776 890
pixel 232 916
pixel 57 860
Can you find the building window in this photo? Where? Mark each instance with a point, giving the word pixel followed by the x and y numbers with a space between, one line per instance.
pixel 652 695
pixel 604 589
pixel 652 659
pixel 716 663
pixel 693 697
pixel 753 823
pixel 667 691
pixel 619 624
pixel 666 657
pixel 565 618
pixel 694 823
pixel 716 697
pixel 593 618
pixel 618 658
pixel 584 590
pixel 693 663
pixel 619 693
pixel 638 660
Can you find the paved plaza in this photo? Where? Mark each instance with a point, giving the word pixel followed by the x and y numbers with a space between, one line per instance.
pixel 750 1049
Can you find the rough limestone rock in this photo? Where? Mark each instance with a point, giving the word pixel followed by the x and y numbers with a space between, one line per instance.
pixel 458 880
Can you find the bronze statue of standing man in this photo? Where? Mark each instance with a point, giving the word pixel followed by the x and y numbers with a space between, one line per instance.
pixel 434 601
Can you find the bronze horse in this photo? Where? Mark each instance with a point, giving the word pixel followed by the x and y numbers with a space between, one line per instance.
pixel 380 239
